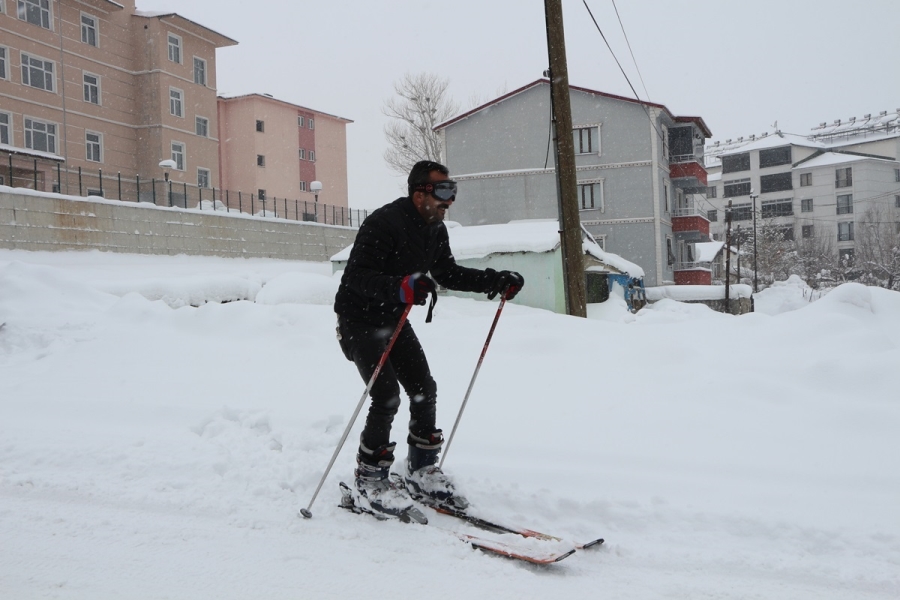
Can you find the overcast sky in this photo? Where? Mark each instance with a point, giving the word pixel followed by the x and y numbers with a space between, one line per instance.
pixel 741 65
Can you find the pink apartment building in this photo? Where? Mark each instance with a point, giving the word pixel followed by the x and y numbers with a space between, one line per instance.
pixel 96 86
pixel 276 149
pixel 100 85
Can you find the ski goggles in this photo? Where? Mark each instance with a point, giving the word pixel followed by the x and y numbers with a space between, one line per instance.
pixel 442 190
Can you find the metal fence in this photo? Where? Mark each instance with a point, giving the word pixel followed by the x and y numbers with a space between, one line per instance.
pixel 45 174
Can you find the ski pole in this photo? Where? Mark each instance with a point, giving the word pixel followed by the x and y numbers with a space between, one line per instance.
pixel 474 375
pixel 384 356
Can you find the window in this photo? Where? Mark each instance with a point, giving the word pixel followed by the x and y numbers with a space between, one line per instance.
pixel 174 48
pixel 3 53
pixel 5 131
pixel 301 122
pixel 845 231
pixel 777 182
pixel 846 255
pixel 40 135
pixel 36 12
pixel 774 156
pixel 201 126
pixel 37 72
pixel 736 162
pixel 91 88
pixel 591 194
pixel 896 174
pixel 742 212
pixel 787 233
pixel 89 29
pixel 806 205
pixel 711 192
pixel 666 143
pixel 712 215
pixel 93 144
pixel 302 153
pixel 178 155
pixel 601 241
pixel 176 102
pixel 260 126
pixel 670 256
pixel 302 186
pixel 312 124
pixel 843 177
pixel 261 194
pixel 845 204
pixel 736 187
pixel 805 179
pixel 587 140
pixel 312 155
pixel 199 71
pixel 666 196
pixel 202 178
pixel 260 160
pixel 897 201
pixel 806 231
pixel 777 208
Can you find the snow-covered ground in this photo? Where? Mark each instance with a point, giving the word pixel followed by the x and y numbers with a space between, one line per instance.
pixel 153 449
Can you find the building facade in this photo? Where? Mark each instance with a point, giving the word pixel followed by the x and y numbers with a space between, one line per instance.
pixel 640 172
pixel 105 87
pixel 814 189
pixel 276 149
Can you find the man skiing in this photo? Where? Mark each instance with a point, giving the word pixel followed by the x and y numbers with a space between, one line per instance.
pixel 396 248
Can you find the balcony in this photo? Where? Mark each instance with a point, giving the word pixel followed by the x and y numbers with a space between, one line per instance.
pixel 689 222
pixel 686 170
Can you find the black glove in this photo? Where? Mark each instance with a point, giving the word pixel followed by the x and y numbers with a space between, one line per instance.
pixel 509 282
pixel 414 289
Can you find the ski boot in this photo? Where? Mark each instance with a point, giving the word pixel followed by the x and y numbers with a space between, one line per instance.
pixel 374 492
pixel 424 479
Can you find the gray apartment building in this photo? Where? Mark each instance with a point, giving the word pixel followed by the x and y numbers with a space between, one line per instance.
pixel 641 180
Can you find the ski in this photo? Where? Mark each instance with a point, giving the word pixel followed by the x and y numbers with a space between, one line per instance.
pixel 489 524
pixel 507 550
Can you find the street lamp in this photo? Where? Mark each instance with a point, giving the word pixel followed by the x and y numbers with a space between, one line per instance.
pixel 166 165
pixel 754 197
pixel 315 187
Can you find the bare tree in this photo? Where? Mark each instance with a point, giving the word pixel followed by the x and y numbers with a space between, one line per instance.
pixel 421 103
pixel 774 253
pixel 815 258
pixel 877 255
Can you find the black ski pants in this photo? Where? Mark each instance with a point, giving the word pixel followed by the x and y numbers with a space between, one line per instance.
pixel 406 365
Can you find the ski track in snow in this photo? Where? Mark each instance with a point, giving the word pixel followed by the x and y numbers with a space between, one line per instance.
pixel 151 449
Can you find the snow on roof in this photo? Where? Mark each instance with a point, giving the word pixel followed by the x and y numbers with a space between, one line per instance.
pixel 707 251
pixel 29 152
pixel 836 158
pixel 539 235
pixel 773 141
pixel 158 14
pixel 688 293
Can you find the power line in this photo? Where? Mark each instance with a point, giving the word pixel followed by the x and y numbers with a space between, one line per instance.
pixel 633 59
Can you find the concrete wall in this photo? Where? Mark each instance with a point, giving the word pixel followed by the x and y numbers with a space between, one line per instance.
pixel 33 221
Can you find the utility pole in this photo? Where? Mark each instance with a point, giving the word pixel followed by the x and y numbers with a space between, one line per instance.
pixel 755 270
pixel 728 257
pixel 566 183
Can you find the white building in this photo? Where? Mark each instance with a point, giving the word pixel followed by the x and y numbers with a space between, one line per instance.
pixel 816 186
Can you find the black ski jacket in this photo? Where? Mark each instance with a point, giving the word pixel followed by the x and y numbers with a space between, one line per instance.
pixel 393 242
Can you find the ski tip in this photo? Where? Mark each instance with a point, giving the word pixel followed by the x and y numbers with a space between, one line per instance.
pixel 305 513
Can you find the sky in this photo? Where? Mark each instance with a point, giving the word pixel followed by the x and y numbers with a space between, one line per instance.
pixel 150 449
pixel 741 66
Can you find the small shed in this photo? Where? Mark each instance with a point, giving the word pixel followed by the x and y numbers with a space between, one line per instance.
pixel 533 249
